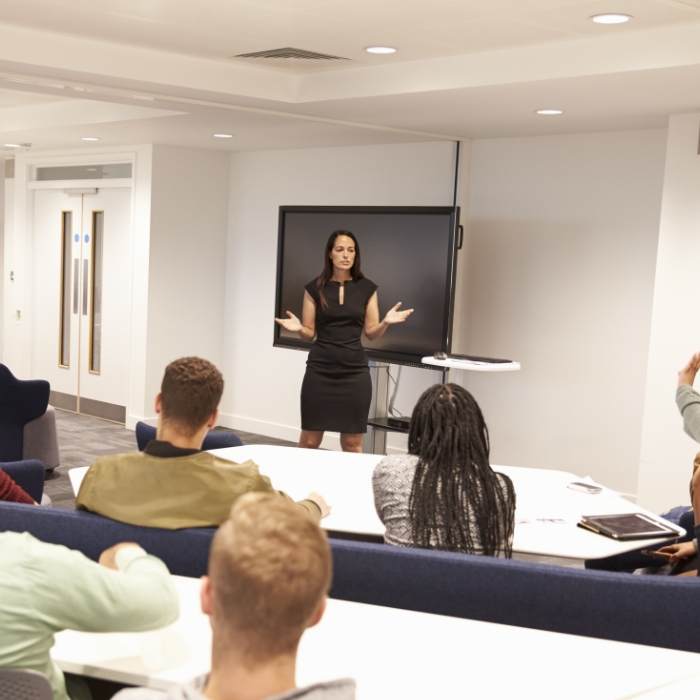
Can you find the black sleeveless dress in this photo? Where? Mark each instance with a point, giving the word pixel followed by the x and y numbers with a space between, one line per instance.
pixel 337 390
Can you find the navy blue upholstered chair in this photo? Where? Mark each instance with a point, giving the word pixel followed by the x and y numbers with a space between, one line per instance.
pixel 29 475
pixel 215 440
pixel 619 607
pixel 21 401
pixel 185 552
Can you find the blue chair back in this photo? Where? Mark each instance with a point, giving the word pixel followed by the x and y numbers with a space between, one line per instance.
pixel 185 552
pixel 620 607
pixel 29 475
pixel 21 401
pixel 214 440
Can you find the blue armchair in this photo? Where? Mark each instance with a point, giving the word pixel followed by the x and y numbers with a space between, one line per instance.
pixel 213 441
pixel 20 403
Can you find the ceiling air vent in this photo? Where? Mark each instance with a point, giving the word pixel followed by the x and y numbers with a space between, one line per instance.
pixel 290 52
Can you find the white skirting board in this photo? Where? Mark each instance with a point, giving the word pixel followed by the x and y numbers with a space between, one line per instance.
pixel 331 441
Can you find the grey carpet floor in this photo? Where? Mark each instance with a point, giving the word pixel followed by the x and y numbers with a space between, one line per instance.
pixel 83 439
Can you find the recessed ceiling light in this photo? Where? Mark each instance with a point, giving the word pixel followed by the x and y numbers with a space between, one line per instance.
pixel 611 18
pixel 550 111
pixel 12 145
pixel 223 136
pixel 380 49
pixel 89 138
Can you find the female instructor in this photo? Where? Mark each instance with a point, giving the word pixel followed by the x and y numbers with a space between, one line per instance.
pixel 337 390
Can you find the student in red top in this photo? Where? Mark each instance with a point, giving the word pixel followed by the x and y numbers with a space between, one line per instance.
pixel 9 491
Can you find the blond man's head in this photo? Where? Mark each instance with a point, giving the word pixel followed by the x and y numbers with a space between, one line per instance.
pixel 270 570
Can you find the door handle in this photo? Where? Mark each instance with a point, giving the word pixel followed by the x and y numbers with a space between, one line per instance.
pixel 76 282
pixel 86 275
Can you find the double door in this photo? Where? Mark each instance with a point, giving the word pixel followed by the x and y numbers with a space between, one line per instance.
pixel 82 298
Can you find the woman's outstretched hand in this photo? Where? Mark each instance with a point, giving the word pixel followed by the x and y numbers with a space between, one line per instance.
pixel 292 323
pixel 687 374
pixel 396 316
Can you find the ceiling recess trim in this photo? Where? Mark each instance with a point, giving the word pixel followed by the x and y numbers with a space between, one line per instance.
pixel 80 87
pixel 695 4
pixel 290 52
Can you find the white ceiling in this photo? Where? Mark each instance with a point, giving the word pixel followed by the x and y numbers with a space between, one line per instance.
pixel 220 29
pixel 464 69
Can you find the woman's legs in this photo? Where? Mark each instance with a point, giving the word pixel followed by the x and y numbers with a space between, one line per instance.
pixel 310 439
pixel 351 442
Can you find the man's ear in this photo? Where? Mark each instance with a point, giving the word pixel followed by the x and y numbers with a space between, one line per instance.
pixel 212 419
pixel 205 595
pixel 318 615
pixel 159 402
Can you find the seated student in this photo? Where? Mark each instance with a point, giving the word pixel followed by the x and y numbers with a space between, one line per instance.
pixel 46 588
pixel 172 483
pixel 269 575
pixel 443 494
pixel 9 491
pixel 688 401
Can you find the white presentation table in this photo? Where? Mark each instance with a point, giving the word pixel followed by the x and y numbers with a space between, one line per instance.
pixel 345 481
pixel 395 654
pixel 471 365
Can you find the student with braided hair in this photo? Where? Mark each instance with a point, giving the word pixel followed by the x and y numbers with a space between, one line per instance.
pixel 443 494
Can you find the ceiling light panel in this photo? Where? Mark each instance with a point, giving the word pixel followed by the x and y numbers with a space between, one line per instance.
pixel 584 19
pixel 611 19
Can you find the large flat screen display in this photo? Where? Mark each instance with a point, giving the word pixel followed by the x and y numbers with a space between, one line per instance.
pixel 409 252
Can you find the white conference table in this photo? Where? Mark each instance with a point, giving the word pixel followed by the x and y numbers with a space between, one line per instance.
pixel 685 688
pixel 394 654
pixel 345 481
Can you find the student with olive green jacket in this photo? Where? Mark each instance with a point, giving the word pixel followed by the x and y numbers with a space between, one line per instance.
pixel 173 484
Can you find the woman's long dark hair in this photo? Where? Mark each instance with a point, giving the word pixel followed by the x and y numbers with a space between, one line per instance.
pixel 453 477
pixel 324 277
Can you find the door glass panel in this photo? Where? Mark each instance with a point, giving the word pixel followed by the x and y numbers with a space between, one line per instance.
pixel 64 332
pixel 96 296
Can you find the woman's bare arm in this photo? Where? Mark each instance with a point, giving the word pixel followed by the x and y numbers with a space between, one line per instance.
pixel 306 328
pixel 374 328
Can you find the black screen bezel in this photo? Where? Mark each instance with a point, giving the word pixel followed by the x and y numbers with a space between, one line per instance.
pixel 450 279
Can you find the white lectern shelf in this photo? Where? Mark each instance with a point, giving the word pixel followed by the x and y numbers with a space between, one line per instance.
pixel 471 365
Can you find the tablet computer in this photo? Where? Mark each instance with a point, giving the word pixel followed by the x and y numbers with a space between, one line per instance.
pixel 627 526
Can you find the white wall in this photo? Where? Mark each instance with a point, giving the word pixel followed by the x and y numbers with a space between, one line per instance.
pixel 562 246
pixel 6 194
pixel 186 261
pixel 262 382
pixel 667 453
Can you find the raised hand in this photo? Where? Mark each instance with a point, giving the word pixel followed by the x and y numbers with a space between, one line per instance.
pixel 292 323
pixel 396 316
pixel 687 374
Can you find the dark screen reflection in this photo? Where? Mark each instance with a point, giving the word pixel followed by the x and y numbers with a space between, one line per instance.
pixel 407 255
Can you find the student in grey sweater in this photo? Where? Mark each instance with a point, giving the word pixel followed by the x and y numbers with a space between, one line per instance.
pixel 443 494
pixel 269 575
